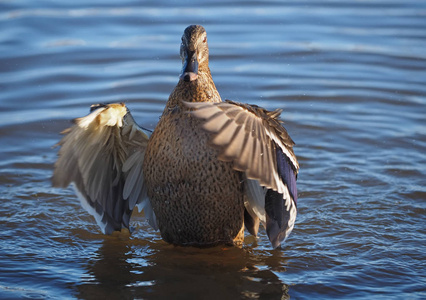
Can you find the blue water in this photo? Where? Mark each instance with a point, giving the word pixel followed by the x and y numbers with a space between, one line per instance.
pixel 350 76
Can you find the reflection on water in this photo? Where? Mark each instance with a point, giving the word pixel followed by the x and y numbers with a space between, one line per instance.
pixel 350 77
pixel 136 268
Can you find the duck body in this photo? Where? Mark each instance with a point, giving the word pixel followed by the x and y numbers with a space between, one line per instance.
pixel 198 199
pixel 209 169
pixel 186 184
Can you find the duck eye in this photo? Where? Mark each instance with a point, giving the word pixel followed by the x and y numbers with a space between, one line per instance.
pixel 205 39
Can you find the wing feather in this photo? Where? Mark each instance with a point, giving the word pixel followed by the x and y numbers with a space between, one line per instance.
pixel 258 145
pixel 102 156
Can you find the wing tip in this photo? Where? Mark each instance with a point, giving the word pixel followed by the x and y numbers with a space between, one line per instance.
pixel 251 222
pixel 281 213
pixel 277 235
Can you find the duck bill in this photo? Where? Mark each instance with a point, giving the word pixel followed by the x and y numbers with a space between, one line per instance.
pixel 190 67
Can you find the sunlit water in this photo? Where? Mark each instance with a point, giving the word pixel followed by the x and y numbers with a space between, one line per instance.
pixel 350 77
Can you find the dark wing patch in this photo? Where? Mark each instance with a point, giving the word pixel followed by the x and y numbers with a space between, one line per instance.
pixel 287 173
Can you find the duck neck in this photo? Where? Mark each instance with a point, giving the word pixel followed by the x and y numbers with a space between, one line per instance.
pixel 202 89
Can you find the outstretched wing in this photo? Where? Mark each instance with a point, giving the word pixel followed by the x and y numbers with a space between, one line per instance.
pixel 258 145
pixel 102 156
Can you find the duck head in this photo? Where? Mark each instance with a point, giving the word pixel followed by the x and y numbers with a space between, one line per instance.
pixel 194 52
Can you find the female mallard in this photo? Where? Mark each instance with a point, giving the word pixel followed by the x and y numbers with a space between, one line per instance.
pixel 209 168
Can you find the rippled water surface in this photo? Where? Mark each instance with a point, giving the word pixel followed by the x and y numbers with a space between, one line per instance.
pixel 350 76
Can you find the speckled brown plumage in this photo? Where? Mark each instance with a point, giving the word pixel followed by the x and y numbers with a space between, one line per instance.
pixel 185 183
pixel 198 200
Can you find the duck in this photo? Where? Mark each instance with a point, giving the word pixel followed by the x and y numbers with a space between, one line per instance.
pixel 209 170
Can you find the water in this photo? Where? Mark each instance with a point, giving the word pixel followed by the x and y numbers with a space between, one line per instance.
pixel 350 77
